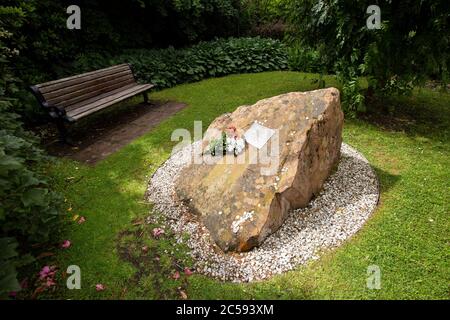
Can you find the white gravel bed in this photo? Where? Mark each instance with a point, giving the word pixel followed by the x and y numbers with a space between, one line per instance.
pixel 348 198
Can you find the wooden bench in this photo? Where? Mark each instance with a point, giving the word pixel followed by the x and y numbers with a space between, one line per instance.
pixel 70 99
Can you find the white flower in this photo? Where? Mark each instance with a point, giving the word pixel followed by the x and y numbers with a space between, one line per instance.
pixel 231 143
pixel 239 145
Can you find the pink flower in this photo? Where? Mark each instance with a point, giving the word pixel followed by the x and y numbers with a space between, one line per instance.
pixel 46 276
pixel 12 294
pixel 66 244
pixel 44 272
pixel 157 232
pixel 24 283
pixel 99 287
pixel 188 272
pixel 81 220
pixel 176 275
pixel 49 283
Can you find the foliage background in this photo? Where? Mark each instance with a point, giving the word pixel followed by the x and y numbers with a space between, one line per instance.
pixel 411 46
pixel 30 215
pixel 169 67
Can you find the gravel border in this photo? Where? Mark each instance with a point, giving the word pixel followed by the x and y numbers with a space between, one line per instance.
pixel 348 198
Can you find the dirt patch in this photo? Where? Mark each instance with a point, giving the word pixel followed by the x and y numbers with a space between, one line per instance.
pixel 399 123
pixel 98 136
pixel 159 262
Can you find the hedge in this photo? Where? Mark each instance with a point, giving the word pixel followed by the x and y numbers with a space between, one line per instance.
pixel 169 67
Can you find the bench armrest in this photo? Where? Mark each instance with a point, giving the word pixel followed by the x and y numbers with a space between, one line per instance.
pixel 54 111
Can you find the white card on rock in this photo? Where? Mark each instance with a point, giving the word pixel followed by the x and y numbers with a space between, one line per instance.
pixel 258 135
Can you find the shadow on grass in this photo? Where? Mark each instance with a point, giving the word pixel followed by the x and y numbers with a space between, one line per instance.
pixel 426 113
pixel 386 180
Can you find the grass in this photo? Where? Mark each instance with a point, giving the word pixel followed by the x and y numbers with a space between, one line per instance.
pixel 407 237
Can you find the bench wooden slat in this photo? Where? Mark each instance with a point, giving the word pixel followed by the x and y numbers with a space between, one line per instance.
pixel 86 93
pixel 83 103
pixel 107 101
pixel 87 84
pixel 79 81
pixel 69 81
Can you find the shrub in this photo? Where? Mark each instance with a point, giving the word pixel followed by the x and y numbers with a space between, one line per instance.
pixel 47 48
pixel 29 212
pixel 274 30
pixel 305 59
pixel 29 209
pixel 411 45
pixel 264 18
pixel 169 67
pixel 10 261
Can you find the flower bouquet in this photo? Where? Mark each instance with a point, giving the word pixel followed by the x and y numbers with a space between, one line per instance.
pixel 229 142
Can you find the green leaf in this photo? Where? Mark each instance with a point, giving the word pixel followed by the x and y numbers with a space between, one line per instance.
pixel 35 197
pixel 8 248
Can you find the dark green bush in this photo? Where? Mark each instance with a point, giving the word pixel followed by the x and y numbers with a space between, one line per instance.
pixel 10 261
pixel 29 212
pixel 29 209
pixel 264 18
pixel 410 47
pixel 47 48
pixel 169 67
pixel 305 59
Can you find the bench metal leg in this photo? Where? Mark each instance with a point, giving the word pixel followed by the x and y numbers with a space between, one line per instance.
pixel 145 97
pixel 63 134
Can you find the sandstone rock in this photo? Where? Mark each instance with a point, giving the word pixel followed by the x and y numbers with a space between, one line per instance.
pixel 241 200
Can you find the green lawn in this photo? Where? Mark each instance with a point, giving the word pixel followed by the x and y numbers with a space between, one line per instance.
pixel 408 236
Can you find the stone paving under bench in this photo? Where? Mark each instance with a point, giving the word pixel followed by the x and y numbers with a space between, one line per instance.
pixel 111 131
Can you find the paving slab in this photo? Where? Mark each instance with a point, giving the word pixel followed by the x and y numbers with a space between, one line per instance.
pixel 107 133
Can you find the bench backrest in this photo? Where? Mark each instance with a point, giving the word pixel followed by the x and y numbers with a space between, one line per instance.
pixel 71 90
